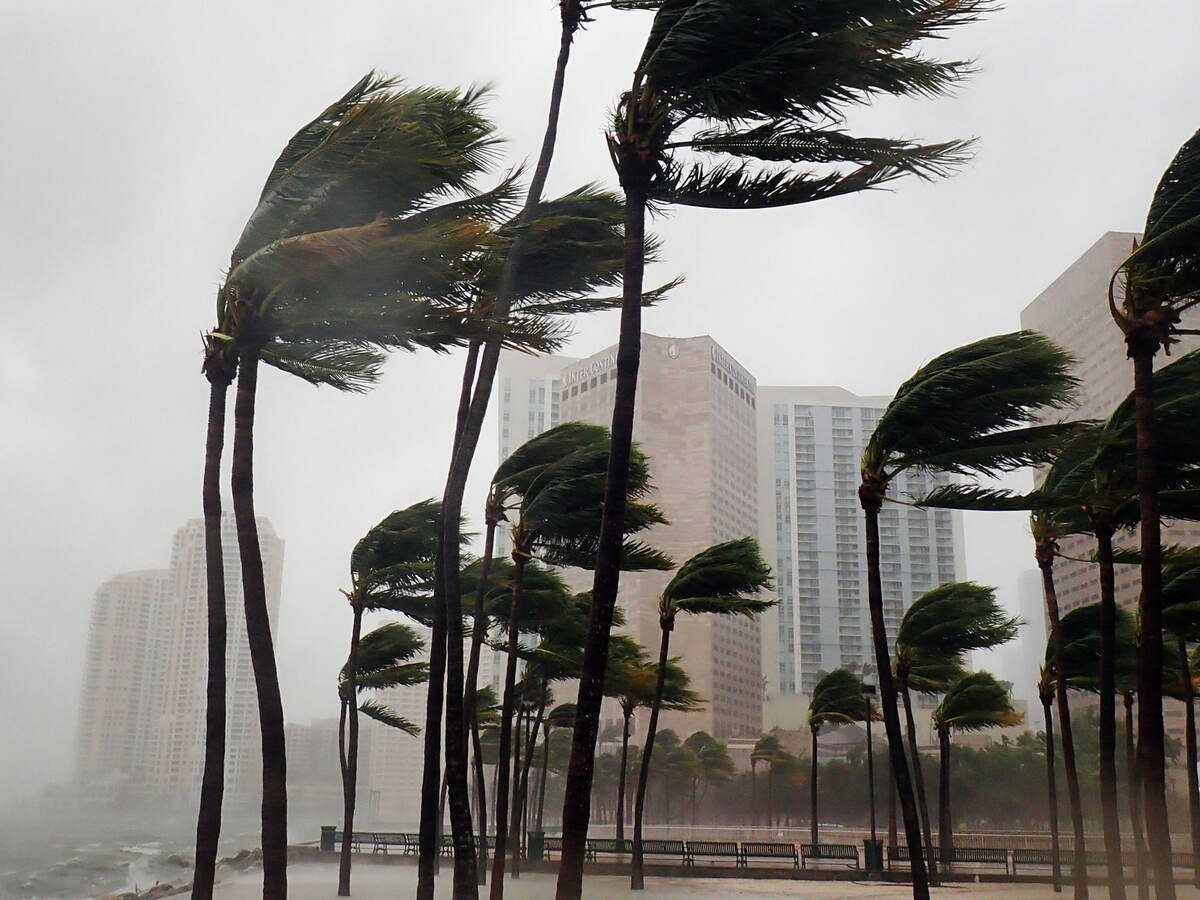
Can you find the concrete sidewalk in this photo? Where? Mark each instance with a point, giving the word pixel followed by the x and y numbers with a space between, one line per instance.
pixel 318 881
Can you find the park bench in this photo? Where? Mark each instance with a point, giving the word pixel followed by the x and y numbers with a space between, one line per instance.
pixel 769 850
pixel 899 853
pixel 989 856
pixel 596 846
pixel 553 845
pixel 829 851
pixel 713 850
pixel 384 839
pixel 659 847
pixel 1182 860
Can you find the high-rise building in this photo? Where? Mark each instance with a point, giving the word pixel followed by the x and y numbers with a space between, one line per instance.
pixel 1073 311
pixel 121 698
pixel 1031 644
pixel 696 421
pixel 143 710
pixel 181 752
pixel 810 445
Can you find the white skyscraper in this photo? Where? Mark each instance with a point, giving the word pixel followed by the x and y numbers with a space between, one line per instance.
pixel 142 716
pixel 810 444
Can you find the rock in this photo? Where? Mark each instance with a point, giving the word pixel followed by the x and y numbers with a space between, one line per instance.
pixel 178 859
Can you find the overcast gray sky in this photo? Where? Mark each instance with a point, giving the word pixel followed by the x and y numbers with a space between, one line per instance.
pixel 136 139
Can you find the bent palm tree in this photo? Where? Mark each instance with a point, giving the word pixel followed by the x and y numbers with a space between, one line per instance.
pixel 972 703
pixel 557 520
pixel 1162 280
pixel 391 568
pixel 723 580
pixel 381 660
pixel 936 631
pixel 767 82
pixel 1045 688
pixel 966 412
pixel 836 698
pixel 345 254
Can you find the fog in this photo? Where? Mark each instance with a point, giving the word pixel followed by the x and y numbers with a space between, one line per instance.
pixel 138 134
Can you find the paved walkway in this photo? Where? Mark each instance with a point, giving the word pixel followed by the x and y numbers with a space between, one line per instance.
pixel 318 881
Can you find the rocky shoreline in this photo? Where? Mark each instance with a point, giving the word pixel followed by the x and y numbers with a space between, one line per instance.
pixel 239 862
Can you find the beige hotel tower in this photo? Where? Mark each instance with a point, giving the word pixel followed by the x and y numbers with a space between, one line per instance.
pixel 696 422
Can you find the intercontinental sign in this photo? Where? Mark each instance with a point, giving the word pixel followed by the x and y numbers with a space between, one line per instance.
pixel 595 367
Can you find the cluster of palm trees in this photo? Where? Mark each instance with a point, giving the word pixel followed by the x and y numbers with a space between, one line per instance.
pixel 380 228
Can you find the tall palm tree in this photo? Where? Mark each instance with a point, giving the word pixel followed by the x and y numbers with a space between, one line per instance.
pixel 479 373
pixel 557 521
pixel 571 248
pixel 966 412
pixel 836 698
pixel 391 568
pixel 767 749
pixel 346 253
pixel 767 82
pixel 935 632
pixel 723 580
pixel 716 765
pixel 1181 619
pixel 1161 279
pixel 972 703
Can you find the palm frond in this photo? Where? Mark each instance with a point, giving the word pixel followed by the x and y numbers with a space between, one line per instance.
pixel 974 703
pixel 837 698
pixel 343 366
pixel 388 716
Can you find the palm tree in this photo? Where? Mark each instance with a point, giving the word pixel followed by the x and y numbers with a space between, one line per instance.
pixel 557 520
pixel 391 568
pixel 966 412
pixel 836 698
pixel 346 254
pixel 767 749
pixel 972 703
pixel 381 660
pixel 1181 618
pixel 767 82
pixel 716 765
pixel 1161 279
pixel 936 631
pixel 724 580
pixel 1045 687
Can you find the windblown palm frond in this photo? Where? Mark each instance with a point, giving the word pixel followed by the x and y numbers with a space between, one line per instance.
pixel 1081 649
pixel 388 716
pixel 969 409
pixel 722 579
pixel 954 618
pixel 974 703
pixel 837 698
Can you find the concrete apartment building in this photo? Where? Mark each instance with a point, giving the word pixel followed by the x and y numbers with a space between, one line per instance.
pixel 696 421
pixel 810 443
pixel 121 698
pixel 143 707
pixel 1073 311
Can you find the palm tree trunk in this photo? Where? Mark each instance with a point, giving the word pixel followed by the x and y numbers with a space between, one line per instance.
pixel 506 720
pixel 479 624
pixel 812 815
pixel 1045 560
pixel 871 498
pixel 431 774
pixel 770 794
pixel 212 784
pixel 945 828
pixel 481 791
pixel 1193 788
pixel 350 769
pixel 693 801
pixel 258 634
pixel 1108 707
pixel 519 813
pixel 1141 853
pixel 1052 795
pixel 637 879
pixel 541 804
pixel 1151 749
pixel 571 12
pixel 919 774
pixel 608 557
pixel 620 815
pixel 893 838
pixel 754 793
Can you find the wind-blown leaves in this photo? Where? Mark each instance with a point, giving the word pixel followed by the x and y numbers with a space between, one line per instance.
pixel 837 699
pixel 722 579
pixel 388 716
pixel 975 702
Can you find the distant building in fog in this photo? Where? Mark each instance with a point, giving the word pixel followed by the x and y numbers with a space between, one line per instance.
pixel 122 686
pixel 142 716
